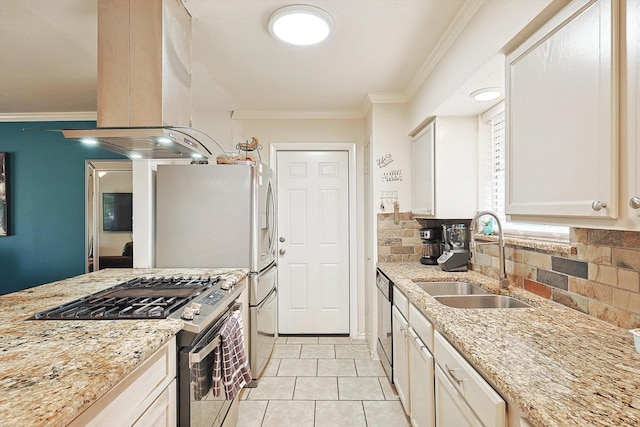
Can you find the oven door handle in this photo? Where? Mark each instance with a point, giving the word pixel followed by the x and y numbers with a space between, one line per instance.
pixel 199 355
pixel 196 355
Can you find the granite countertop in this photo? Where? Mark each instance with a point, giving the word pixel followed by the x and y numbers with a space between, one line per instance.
pixel 53 370
pixel 559 366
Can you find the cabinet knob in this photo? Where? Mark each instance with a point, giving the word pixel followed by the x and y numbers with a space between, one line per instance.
pixel 282 239
pixel 634 202
pixel 598 205
pixel 282 252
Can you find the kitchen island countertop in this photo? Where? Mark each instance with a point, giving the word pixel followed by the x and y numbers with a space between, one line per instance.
pixel 53 370
pixel 559 366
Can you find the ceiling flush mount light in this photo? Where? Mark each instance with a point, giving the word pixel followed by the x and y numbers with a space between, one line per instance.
pixel 486 94
pixel 300 24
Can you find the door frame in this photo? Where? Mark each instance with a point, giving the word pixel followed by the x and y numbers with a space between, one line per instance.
pixel 350 148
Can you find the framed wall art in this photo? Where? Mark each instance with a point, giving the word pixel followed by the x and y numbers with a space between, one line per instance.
pixel 4 188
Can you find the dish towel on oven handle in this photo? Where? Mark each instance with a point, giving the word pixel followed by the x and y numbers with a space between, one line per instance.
pixel 230 364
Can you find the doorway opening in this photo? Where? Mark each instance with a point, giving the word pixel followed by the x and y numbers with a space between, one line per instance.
pixel 109 214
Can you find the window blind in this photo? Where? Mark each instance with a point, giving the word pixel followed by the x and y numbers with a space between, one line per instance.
pixel 492 181
pixel 498 166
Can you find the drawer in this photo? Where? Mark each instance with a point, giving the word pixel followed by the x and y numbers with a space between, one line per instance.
pixel 478 394
pixel 400 301
pixel 420 324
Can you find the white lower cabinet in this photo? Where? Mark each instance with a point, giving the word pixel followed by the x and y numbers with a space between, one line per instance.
pixel 162 411
pixel 400 327
pixel 463 397
pixel 436 385
pixel 421 394
pixel 145 397
pixel 412 361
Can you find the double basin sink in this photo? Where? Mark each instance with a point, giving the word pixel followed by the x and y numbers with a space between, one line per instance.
pixel 468 295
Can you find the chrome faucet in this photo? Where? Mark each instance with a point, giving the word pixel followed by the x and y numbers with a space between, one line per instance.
pixel 504 282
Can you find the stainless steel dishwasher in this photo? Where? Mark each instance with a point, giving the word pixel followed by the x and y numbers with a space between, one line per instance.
pixel 385 344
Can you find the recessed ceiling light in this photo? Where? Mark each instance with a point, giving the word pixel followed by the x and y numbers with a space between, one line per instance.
pixel 486 94
pixel 300 24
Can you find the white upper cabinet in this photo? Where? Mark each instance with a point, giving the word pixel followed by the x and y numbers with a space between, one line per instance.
pixel 562 116
pixel 424 171
pixel 445 165
pixel 630 199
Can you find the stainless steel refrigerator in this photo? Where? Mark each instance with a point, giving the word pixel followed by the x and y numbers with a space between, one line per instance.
pixel 223 216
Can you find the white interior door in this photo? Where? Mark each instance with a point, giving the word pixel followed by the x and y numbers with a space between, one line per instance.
pixel 313 229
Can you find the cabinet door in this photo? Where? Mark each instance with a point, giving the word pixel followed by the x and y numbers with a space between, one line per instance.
pixel 421 393
pixel 456 151
pixel 424 171
pixel 163 411
pixel 631 200
pixel 451 409
pixel 562 116
pixel 400 358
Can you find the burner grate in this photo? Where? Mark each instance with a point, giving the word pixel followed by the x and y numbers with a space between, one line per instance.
pixel 116 308
pixel 139 298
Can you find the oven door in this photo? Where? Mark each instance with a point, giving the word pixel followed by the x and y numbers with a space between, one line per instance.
pixel 198 407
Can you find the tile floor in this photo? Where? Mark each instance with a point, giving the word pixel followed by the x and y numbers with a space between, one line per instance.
pixel 322 381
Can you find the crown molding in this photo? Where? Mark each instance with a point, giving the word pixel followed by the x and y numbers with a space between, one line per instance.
pixel 295 114
pixel 462 18
pixel 49 117
pixel 387 98
pixel 382 98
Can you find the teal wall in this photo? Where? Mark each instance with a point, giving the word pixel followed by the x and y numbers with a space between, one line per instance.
pixel 46 204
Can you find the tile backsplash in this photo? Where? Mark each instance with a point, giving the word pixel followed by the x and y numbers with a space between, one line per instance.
pixel 399 242
pixel 597 273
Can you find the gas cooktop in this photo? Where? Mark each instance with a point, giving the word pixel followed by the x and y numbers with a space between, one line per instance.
pixel 139 298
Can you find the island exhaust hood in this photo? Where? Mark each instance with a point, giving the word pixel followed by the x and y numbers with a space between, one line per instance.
pixel 144 82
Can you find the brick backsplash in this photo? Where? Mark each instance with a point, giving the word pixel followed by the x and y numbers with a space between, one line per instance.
pixel 597 273
pixel 398 242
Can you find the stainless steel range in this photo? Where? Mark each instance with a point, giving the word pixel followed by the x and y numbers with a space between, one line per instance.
pixel 203 304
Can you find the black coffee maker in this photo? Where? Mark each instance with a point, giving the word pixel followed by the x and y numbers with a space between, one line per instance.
pixel 431 245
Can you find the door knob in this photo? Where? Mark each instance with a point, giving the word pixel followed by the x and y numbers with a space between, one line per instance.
pixel 634 202
pixel 282 252
pixel 282 239
pixel 598 205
